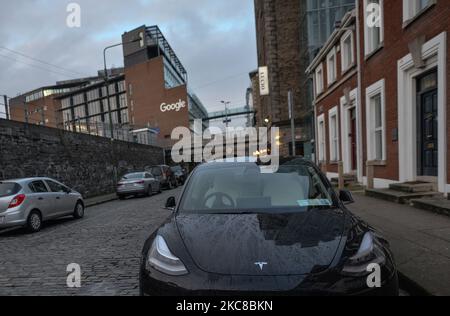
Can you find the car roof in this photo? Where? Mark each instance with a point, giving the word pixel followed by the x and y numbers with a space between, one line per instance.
pixel 26 180
pixel 240 161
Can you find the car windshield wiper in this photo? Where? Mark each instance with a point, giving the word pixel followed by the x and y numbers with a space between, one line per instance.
pixel 235 213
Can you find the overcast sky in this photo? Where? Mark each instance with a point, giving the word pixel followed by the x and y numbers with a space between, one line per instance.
pixel 214 39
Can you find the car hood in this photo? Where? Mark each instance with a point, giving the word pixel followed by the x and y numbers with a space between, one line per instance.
pixel 263 244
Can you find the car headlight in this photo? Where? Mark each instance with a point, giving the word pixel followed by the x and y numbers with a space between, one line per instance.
pixel 160 258
pixel 370 252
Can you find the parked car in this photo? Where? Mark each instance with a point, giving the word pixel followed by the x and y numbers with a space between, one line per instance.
pixel 165 176
pixel 30 202
pixel 138 183
pixel 180 174
pixel 241 229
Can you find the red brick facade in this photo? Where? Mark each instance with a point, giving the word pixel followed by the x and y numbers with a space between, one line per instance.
pixel 388 62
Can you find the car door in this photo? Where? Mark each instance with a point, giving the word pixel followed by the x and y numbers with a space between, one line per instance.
pixel 156 171
pixel 41 198
pixel 64 203
pixel 150 179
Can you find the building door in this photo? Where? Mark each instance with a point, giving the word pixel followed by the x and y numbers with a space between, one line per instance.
pixel 427 126
pixel 353 138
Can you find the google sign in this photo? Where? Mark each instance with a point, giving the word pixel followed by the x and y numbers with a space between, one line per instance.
pixel 173 107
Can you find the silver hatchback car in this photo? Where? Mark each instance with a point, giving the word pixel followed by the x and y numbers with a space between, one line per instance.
pixel 30 202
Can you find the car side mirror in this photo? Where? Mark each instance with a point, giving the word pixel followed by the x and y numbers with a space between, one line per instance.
pixel 346 197
pixel 171 204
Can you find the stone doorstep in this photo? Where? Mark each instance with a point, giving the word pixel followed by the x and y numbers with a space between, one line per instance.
pixel 436 205
pixel 412 187
pixel 399 196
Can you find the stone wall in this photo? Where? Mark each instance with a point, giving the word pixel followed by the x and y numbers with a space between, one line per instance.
pixel 88 164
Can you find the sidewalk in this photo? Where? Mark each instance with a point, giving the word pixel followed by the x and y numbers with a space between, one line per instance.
pixel 419 239
pixel 100 200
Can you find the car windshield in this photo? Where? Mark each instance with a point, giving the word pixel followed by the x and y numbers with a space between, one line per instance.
pixel 244 188
pixel 176 168
pixel 133 176
pixel 8 189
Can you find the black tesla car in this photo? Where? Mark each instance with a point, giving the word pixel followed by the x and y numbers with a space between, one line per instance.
pixel 242 229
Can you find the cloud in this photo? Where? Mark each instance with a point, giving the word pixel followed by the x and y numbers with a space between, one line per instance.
pixel 214 39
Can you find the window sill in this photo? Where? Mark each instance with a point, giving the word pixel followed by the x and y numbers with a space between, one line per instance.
pixel 374 52
pixel 381 163
pixel 345 71
pixel 331 84
pixel 411 20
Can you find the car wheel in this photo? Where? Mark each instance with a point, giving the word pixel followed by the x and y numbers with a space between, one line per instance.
pixel 159 189
pixel 149 191
pixel 79 211
pixel 34 222
pixel 121 197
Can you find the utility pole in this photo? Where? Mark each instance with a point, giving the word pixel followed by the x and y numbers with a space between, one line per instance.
pixel 291 117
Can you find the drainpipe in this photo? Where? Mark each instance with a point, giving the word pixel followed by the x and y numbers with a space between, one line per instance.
pixel 360 152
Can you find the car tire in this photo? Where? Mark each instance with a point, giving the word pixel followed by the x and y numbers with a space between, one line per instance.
pixel 149 191
pixel 34 222
pixel 78 213
pixel 121 197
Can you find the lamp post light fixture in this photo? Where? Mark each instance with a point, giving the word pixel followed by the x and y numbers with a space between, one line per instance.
pixel 106 77
pixel 226 104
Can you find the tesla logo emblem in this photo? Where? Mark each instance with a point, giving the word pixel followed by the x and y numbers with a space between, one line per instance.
pixel 261 264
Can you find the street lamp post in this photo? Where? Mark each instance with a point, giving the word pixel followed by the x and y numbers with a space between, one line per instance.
pixel 111 126
pixel 5 98
pixel 226 104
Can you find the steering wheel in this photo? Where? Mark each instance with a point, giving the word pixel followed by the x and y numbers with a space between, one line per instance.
pixel 219 200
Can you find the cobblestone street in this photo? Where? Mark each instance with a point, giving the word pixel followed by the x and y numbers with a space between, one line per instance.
pixel 106 244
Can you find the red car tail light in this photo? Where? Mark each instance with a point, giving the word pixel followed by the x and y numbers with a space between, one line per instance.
pixel 17 201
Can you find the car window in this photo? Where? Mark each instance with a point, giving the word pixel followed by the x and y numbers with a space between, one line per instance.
pixel 148 176
pixel 55 187
pixel 132 176
pixel 243 188
pixel 9 188
pixel 38 187
pixel 156 171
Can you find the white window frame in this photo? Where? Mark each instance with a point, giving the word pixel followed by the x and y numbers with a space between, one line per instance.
pixel 377 88
pixel 322 139
pixel 319 79
pixel 330 78
pixel 411 9
pixel 351 58
pixel 334 152
pixel 367 44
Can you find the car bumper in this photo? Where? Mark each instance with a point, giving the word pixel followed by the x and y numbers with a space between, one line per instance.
pixel 12 219
pixel 258 286
pixel 130 191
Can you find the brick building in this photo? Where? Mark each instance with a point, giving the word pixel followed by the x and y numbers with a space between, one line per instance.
pixel 149 95
pixel 288 34
pixel 399 95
